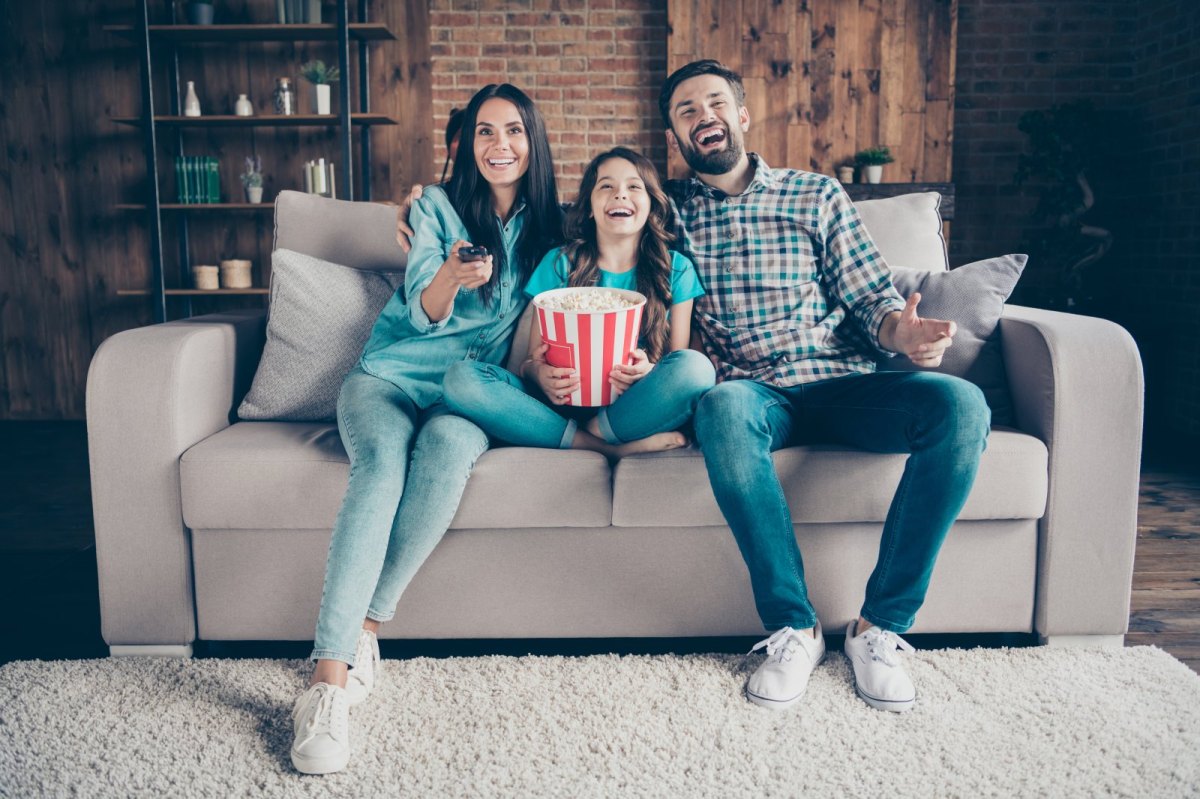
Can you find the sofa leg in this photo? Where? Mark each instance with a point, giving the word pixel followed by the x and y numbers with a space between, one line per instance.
pixel 1083 641
pixel 152 651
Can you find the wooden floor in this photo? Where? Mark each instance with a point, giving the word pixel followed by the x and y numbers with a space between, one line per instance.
pixel 49 589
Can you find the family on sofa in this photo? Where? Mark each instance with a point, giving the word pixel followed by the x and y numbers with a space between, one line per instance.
pixel 793 305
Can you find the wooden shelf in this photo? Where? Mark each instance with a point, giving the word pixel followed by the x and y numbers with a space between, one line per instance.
pixel 261 121
pixel 210 207
pixel 192 292
pixel 359 31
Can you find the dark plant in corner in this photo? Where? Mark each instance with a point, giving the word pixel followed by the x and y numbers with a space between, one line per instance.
pixel 1065 143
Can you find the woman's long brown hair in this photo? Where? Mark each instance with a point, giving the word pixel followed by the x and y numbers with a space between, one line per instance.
pixel 654 259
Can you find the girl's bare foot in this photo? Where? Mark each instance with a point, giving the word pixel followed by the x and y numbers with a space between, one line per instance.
pixel 659 442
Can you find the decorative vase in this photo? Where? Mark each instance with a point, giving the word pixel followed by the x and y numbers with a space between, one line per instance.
pixel 874 173
pixel 322 95
pixel 191 103
pixel 285 97
pixel 235 274
pixel 243 107
pixel 845 174
pixel 204 276
pixel 254 194
pixel 200 13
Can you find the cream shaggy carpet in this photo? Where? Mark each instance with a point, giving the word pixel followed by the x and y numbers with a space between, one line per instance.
pixel 1001 722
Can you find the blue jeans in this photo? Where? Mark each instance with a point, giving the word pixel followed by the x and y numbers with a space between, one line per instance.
pixel 510 410
pixel 942 421
pixel 408 468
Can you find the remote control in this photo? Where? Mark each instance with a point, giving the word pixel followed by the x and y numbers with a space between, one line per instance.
pixel 468 254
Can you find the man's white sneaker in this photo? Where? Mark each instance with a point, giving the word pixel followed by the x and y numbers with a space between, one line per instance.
pixel 321 719
pixel 782 678
pixel 361 678
pixel 879 675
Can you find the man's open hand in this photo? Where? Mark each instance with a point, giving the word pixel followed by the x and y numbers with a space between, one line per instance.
pixel 924 341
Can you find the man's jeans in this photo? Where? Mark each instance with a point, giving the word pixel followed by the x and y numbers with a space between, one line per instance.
pixel 507 408
pixel 942 421
pixel 408 468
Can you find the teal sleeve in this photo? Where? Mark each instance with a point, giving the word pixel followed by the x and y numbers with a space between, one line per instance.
pixel 429 252
pixel 685 283
pixel 551 273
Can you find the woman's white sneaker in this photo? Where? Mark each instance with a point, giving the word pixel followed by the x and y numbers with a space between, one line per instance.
pixel 361 678
pixel 321 723
pixel 782 678
pixel 879 675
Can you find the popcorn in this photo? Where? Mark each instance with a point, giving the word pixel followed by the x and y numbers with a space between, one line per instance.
pixel 594 300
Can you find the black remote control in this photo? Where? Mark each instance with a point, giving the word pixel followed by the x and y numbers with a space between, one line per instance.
pixel 468 254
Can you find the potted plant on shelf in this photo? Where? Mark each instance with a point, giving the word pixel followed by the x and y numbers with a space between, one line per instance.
pixel 320 76
pixel 252 179
pixel 872 160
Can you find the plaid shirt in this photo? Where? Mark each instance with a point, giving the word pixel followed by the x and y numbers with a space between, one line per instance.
pixel 796 290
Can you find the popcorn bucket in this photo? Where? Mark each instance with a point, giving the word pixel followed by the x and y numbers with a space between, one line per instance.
pixel 590 341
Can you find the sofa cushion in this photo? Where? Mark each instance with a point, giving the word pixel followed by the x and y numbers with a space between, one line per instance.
pixel 320 318
pixel 361 235
pixel 291 476
pixel 973 297
pixel 907 229
pixel 827 484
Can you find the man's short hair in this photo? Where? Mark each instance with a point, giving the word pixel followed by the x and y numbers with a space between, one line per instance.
pixel 708 66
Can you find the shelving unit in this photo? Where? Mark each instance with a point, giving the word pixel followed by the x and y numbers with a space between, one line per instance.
pixel 158 43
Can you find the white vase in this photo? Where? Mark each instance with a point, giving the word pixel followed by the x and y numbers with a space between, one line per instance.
pixel 243 107
pixel 254 194
pixel 191 103
pixel 322 94
pixel 874 173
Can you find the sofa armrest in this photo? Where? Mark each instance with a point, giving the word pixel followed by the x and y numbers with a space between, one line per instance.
pixel 1076 384
pixel 152 393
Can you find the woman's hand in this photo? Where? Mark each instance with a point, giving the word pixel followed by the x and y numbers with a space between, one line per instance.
pixel 404 233
pixel 556 382
pixel 467 274
pixel 626 374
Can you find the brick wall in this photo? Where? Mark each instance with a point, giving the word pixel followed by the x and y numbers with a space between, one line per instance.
pixel 592 66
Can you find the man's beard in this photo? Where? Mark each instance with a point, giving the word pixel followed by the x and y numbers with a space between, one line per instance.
pixel 718 162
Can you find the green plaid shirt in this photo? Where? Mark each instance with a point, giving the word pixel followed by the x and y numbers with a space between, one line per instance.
pixel 796 290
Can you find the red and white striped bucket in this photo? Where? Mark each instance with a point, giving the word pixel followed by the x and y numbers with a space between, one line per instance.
pixel 591 342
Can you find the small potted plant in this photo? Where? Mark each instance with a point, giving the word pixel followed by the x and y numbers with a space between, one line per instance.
pixel 252 179
pixel 320 76
pixel 872 160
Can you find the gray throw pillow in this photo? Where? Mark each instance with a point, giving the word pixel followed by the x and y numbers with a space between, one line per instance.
pixel 972 296
pixel 320 318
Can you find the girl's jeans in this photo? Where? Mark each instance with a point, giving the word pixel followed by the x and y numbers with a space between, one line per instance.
pixel 510 411
pixel 408 468
pixel 942 421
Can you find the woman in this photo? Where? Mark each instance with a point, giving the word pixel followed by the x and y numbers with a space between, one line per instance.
pixel 398 505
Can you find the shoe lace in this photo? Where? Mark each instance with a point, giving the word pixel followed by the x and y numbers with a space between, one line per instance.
pixel 322 716
pixel 782 644
pixel 882 646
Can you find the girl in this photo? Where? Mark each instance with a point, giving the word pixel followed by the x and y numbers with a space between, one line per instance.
pixel 617 234
pixel 501 196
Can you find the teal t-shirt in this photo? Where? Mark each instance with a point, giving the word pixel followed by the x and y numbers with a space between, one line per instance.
pixel 553 273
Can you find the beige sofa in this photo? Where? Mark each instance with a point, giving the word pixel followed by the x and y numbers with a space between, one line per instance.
pixel 215 529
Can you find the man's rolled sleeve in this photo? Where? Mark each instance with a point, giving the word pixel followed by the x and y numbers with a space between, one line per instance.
pixel 428 254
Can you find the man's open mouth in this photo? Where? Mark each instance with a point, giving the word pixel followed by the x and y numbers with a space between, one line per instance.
pixel 711 136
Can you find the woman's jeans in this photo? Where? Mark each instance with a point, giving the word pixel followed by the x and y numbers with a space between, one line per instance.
pixel 509 410
pixel 942 421
pixel 408 468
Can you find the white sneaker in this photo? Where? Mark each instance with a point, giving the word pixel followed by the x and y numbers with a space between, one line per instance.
pixel 321 719
pixel 361 678
pixel 783 677
pixel 879 675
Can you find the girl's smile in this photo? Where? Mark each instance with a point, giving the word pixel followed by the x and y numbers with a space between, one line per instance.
pixel 620 204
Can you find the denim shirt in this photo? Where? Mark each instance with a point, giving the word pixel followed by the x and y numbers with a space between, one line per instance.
pixel 409 350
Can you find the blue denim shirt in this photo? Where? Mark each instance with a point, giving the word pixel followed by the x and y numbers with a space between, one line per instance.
pixel 412 352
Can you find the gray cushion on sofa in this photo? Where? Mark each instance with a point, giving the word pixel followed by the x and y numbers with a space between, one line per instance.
pixel 972 296
pixel 320 317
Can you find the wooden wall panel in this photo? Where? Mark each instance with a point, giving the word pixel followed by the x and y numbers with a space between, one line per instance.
pixel 826 78
pixel 64 248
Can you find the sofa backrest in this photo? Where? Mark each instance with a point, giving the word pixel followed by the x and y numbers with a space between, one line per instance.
pixel 357 234
pixel 907 230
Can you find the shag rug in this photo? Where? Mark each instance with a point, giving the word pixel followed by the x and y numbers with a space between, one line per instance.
pixel 999 722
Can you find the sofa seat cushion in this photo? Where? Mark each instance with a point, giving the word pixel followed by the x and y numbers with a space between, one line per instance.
pixel 827 484
pixel 292 476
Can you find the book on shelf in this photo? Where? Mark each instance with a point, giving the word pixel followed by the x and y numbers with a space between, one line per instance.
pixel 197 179
pixel 298 12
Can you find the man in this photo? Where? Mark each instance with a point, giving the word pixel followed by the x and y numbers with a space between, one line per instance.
pixel 799 305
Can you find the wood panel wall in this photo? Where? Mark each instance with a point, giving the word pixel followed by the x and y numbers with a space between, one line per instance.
pixel 827 78
pixel 65 250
